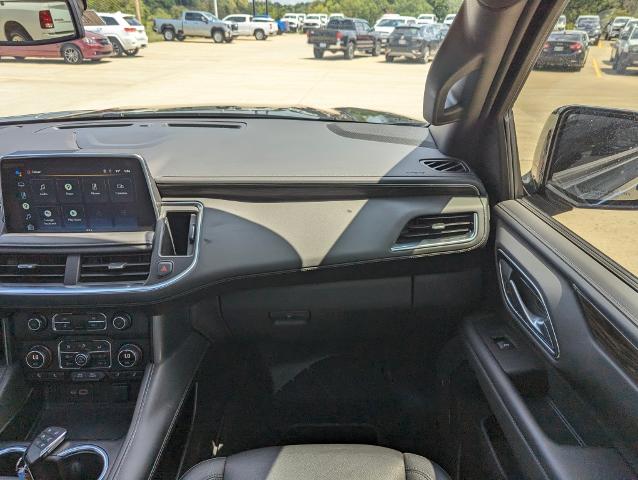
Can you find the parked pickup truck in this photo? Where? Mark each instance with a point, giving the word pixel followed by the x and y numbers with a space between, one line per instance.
pixel 195 24
pixel 347 35
pixel 252 27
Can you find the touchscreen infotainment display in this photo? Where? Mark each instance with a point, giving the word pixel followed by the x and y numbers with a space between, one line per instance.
pixel 75 194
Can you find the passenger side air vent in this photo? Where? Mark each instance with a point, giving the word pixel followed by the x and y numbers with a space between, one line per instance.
pixel 432 230
pixel 32 268
pixel 446 166
pixel 117 268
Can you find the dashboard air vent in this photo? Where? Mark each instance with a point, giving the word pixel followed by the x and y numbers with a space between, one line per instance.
pixel 115 268
pixel 430 230
pixel 32 268
pixel 446 166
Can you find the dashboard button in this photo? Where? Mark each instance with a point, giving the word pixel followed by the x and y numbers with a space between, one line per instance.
pixel 95 190
pixel 121 321
pixel 73 216
pixel 38 357
pixel 43 191
pixel 129 355
pixel 37 323
pixel 49 217
pixel 82 359
pixel 69 190
pixel 164 268
pixel 121 189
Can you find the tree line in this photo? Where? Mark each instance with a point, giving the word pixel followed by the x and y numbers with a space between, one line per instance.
pixel 370 10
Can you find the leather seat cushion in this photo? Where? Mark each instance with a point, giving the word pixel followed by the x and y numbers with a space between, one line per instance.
pixel 318 462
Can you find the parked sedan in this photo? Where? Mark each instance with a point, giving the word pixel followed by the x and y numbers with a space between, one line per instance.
pixel 92 47
pixel 567 49
pixel 413 42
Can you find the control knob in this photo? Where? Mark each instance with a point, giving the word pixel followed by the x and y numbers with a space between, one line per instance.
pixel 35 323
pixel 82 359
pixel 121 321
pixel 38 357
pixel 129 355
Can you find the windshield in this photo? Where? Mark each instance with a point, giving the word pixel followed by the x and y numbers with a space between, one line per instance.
pixel 621 21
pixel 165 58
pixel 634 34
pixel 586 22
pixel 340 24
pixel 391 22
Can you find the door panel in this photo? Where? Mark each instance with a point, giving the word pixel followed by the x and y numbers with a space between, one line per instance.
pixel 557 364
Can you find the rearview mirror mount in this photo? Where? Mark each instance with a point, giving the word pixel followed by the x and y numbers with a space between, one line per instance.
pixel 588 156
pixel 40 22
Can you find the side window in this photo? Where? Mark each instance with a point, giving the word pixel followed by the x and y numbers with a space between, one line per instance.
pixel 189 16
pixel 576 124
pixel 109 20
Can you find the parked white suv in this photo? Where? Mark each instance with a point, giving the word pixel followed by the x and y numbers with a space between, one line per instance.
pixel 294 21
pixel 315 20
pixel 426 19
pixel 127 39
pixel 246 26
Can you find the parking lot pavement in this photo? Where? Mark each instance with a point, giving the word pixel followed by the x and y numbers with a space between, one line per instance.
pixel 282 71
pixel 596 84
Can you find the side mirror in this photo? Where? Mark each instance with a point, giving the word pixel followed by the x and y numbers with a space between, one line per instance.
pixel 37 22
pixel 588 156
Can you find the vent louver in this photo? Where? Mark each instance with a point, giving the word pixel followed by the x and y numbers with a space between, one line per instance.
pixel 32 268
pixel 116 268
pixel 430 230
pixel 446 166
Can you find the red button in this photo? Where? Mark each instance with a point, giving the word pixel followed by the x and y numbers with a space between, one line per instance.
pixel 164 268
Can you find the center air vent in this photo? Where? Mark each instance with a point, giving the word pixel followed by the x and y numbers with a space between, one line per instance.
pixel 446 166
pixel 28 268
pixel 432 230
pixel 116 268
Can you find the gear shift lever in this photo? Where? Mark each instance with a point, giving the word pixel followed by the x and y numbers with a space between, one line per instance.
pixel 40 448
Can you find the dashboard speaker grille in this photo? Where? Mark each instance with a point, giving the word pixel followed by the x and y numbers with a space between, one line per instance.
pixel 115 268
pixel 446 166
pixel 32 268
pixel 436 229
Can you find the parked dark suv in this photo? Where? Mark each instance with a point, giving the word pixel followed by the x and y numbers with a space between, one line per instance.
pixel 414 42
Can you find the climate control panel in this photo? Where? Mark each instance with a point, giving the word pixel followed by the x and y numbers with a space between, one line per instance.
pixel 83 346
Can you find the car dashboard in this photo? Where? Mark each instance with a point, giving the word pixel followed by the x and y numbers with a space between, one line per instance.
pixel 127 246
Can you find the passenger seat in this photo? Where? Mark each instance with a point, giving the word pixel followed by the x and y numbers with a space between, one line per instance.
pixel 318 462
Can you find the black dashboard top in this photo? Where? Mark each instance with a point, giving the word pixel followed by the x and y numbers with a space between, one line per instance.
pixel 259 150
pixel 239 200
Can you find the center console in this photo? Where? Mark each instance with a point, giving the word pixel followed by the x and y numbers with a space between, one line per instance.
pixel 105 348
pixel 73 226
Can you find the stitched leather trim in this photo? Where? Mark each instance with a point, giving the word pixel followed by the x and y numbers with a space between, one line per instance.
pixel 176 414
pixel 418 472
pixel 137 419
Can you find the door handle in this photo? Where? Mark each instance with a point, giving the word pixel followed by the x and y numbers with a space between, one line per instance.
pixel 526 302
pixel 537 322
